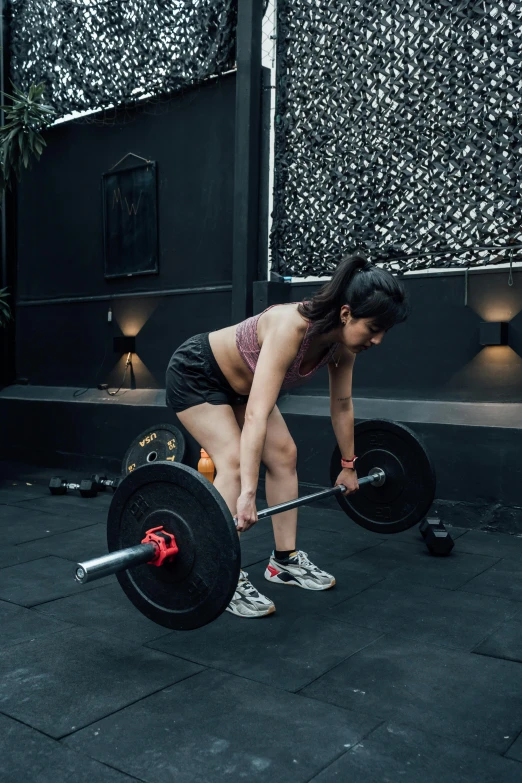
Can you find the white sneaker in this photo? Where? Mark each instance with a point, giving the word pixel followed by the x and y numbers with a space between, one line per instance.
pixel 247 601
pixel 298 570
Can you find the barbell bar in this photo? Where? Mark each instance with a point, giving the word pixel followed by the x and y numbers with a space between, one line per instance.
pixel 113 563
pixel 99 567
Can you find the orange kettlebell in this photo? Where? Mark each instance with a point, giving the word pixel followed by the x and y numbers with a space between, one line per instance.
pixel 206 466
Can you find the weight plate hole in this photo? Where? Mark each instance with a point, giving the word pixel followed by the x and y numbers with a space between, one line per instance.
pixel 152 456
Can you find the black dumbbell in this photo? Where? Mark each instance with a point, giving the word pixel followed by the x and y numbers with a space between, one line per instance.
pixel 102 483
pixel 436 537
pixel 59 486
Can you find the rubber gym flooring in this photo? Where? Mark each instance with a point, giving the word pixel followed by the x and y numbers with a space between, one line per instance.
pixel 409 669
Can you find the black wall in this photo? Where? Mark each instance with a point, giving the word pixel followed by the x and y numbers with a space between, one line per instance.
pixel 436 354
pixel 71 344
pixel 60 240
pixel 64 337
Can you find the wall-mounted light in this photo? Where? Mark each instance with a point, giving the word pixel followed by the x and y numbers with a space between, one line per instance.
pixel 494 333
pixel 125 344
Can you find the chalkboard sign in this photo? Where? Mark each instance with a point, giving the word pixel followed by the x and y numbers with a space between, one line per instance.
pixel 130 218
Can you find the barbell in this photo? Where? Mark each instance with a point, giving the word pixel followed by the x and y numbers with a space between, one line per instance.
pixel 173 543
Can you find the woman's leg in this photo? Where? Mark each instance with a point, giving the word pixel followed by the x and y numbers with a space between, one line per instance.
pixel 215 428
pixel 280 458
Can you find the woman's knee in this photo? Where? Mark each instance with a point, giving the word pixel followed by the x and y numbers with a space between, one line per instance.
pixel 228 465
pixel 282 459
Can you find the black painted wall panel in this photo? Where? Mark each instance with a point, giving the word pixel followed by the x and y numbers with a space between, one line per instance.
pixel 436 354
pixel 473 464
pixel 59 224
pixel 71 344
pixel 72 436
pixel 60 240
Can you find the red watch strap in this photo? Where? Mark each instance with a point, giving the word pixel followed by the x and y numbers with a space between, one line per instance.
pixel 348 463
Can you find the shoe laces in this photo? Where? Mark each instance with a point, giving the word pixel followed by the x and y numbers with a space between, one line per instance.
pixel 303 559
pixel 245 583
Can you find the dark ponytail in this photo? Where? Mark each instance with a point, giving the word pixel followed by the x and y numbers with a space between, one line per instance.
pixel 370 291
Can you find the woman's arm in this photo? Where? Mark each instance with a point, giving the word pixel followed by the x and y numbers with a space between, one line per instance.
pixel 281 344
pixel 341 412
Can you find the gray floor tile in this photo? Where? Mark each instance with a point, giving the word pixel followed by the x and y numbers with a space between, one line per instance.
pixel 25 754
pixel 76 545
pixel 103 499
pixel 506 519
pixel 397 753
pixel 502 579
pixel 18 625
pixel 14 492
pixel 68 680
pixel 463 514
pixel 281 651
pixel 413 534
pixel 108 610
pixel 432 615
pixel 504 642
pixel 19 525
pixel 325 519
pixel 257 548
pixel 216 727
pixel 464 697
pixel 13 555
pixel 325 548
pixel 414 564
pixel 515 751
pixel 68 506
pixel 480 542
pixel 39 581
pixel 330 520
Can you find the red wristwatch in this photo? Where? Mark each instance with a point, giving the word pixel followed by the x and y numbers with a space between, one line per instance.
pixel 348 463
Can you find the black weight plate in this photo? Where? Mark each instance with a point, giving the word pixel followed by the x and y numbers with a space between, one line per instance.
pixel 197 586
pixel 163 442
pixel 409 489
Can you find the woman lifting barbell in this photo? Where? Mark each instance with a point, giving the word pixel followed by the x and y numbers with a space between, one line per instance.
pixel 224 385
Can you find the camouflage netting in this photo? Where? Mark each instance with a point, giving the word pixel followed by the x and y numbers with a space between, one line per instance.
pixel 94 54
pixel 397 131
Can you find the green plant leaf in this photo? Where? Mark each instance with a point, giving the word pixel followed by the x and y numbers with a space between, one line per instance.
pixel 20 137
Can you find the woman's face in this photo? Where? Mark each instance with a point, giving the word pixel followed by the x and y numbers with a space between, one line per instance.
pixel 359 334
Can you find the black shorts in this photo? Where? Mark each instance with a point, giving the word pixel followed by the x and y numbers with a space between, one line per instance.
pixel 194 377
